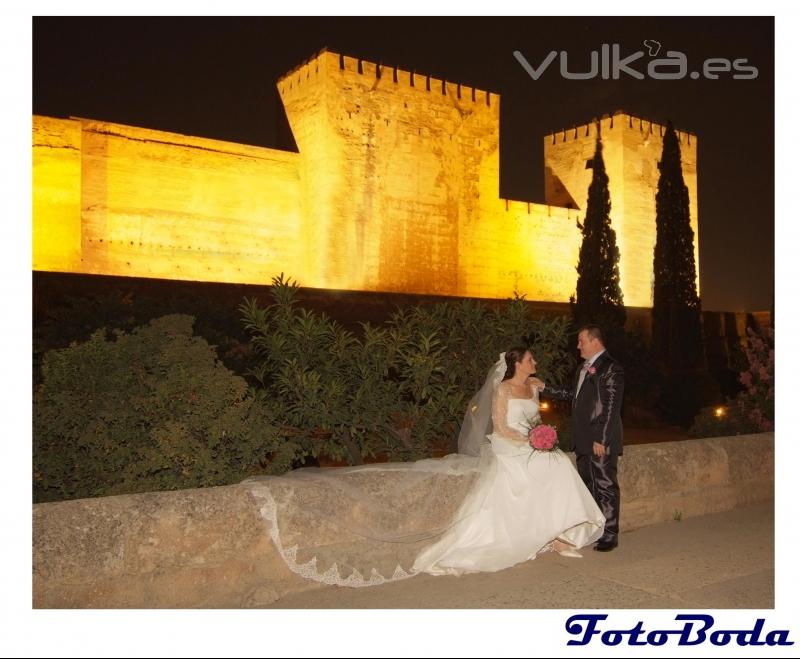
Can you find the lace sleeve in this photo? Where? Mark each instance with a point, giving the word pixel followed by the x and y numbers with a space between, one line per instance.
pixel 500 414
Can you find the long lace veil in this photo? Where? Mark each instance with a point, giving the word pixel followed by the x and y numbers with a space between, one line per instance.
pixel 365 525
pixel 477 422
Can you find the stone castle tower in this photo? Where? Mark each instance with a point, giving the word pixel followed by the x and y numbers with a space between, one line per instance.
pixel 631 151
pixel 393 164
pixel 395 188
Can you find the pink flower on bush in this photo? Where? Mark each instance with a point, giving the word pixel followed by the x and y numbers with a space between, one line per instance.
pixel 757 401
pixel 543 438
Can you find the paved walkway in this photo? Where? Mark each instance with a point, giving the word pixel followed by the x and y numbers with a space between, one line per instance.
pixel 725 560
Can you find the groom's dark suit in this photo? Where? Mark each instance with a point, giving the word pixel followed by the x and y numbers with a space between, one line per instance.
pixel 596 418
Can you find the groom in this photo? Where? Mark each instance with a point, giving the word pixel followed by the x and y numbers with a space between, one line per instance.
pixel 596 397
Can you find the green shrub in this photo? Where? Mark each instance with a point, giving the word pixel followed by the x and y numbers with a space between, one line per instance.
pixel 397 390
pixel 75 317
pixel 729 422
pixel 148 410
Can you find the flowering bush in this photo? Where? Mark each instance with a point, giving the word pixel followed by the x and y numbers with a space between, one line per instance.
pixel 753 410
pixel 757 402
pixel 543 438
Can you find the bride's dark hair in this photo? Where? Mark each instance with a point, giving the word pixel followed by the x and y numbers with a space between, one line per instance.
pixel 513 355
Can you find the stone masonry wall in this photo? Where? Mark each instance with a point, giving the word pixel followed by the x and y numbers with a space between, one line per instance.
pixel 395 189
pixel 210 547
pixel 631 151
pixel 116 200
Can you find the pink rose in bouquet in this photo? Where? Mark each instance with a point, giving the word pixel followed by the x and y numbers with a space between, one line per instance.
pixel 543 438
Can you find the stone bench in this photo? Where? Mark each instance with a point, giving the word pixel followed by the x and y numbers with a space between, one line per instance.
pixel 210 547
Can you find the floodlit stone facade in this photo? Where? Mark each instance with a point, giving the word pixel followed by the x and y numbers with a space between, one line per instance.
pixel 395 188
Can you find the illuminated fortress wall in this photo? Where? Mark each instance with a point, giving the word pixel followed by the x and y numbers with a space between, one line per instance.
pixel 631 152
pixel 393 167
pixel 395 188
pixel 115 200
pixel 515 245
pixel 56 195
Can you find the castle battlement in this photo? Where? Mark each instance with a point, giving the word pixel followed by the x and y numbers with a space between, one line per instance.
pixel 325 59
pixel 617 119
pixel 520 207
pixel 632 149
pixel 395 187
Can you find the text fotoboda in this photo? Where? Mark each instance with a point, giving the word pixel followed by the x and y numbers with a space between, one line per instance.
pixel 696 629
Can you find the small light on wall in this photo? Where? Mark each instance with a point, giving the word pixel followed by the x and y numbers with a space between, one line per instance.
pixel 544 406
pixel 719 412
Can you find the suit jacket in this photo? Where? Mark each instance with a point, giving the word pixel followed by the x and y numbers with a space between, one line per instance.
pixel 596 410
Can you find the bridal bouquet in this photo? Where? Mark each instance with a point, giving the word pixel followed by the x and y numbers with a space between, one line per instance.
pixel 543 438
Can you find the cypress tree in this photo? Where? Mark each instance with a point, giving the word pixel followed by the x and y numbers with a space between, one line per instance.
pixel 598 294
pixel 677 330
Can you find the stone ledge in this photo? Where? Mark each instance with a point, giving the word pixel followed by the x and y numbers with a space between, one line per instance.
pixel 694 477
pixel 210 548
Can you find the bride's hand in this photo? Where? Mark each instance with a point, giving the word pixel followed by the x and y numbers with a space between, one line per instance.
pixel 536 382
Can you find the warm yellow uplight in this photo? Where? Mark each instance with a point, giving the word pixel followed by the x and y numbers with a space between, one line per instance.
pixel 544 406
pixel 395 187
pixel 56 195
pixel 719 412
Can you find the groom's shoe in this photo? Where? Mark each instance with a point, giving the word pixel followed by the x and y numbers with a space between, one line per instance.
pixel 606 545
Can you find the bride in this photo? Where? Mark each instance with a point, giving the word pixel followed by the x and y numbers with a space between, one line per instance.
pixel 496 503
pixel 532 500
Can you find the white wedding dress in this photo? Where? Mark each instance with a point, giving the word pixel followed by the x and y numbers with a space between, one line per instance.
pixel 494 504
pixel 528 499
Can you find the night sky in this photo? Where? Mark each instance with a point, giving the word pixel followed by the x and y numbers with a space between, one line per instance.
pixel 215 77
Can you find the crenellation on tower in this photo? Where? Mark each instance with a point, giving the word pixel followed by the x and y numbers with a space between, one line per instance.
pixel 306 62
pixel 351 64
pixel 299 78
pixel 395 187
pixel 398 75
pixel 609 121
pixel 631 151
pixel 404 78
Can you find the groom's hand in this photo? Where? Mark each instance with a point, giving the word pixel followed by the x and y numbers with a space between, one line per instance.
pixel 598 449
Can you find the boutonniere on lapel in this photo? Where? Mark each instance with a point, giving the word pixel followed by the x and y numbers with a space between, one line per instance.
pixel 591 370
